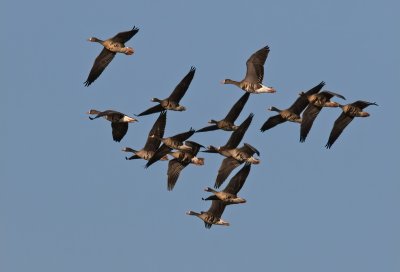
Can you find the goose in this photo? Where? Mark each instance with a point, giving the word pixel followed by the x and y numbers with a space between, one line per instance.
pixel 315 104
pixel 213 215
pixel 180 161
pixel 119 122
pixel 252 82
pixel 169 143
pixel 239 156
pixel 227 123
pixel 172 102
pixel 349 111
pixel 112 46
pixel 233 141
pixel 229 194
pixel 152 142
pixel 292 113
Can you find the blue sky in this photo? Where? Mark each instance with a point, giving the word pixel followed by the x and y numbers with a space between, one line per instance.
pixel 70 202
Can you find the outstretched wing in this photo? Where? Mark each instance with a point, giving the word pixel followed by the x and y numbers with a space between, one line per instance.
pixel 309 115
pixel 338 127
pixel 209 128
pixel 174 170
pixel 160 152
pixel 217 208
pixel 157 130
pixel 255 66
pixel 119 130
pixel 272 122
pixel 227 166
pixel 236 183
pixel 151 110
pixel 238 134
pixel 184 136
pixel 363 104
pixel 329 95
pixel 233 114
pixel 123 37
pixel 301 102
pixel 182 87
pixel 101 62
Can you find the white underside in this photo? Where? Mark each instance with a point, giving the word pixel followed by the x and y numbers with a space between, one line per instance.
pixel 264 89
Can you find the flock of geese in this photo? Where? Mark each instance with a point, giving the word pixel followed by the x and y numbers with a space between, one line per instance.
pixel 304 110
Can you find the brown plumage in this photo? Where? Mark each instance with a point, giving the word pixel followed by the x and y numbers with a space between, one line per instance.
pixel 238 156
pixel 252 82
pixel 227 123
pixel 213 215
pixel 153 140
pixel 349 111
pixel 172 102
pixel 229 194
pixel 112 46
pixel 181 160
pixel 292 113
pixel 316 103
pixel 174 142
pixel 119 122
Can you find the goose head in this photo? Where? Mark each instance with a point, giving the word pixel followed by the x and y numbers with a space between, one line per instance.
pixel 192 213
pixel 274 109
pixel 94 39
pixel 240 200
pixel 92 111
pixel 197 161
pixel 212 121
pixel 156 100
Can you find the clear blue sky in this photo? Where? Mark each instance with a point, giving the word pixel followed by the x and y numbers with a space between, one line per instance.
pixel 70 202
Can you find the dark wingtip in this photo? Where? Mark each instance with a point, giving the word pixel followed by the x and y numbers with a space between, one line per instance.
pixel 91 118
pixel 87 83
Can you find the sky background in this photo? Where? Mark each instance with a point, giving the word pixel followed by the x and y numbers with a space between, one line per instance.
pixel 69 201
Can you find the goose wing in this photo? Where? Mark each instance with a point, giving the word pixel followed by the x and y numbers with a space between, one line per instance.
pixel 158 154
pixel 195 147
pixel 119 129
pixel 272 122
pixel 249 149
pixel 233 114
pixel 363 104
pixel 217 208
pixel 208 128
pixel 157 130
pixel 329 95
pixel 175 167
pixel 151 110
pixel 227 166
pixel 340 124
pixel 301 102
pixel 236 183
pixel 309 115
pixel 182 87
pixel 255 66
pixel 101 62
pixel 125 36
pixel 238 134
pixel 184 136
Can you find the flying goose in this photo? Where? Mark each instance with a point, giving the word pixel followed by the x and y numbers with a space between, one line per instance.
pixel 112 46
pixel 152 142
pixel 172 102
pixel 169 143
pixel 229 194
pixel 350 111
pixel 213 215
pixel 292 113
pixel 233 141
pixel 227 123
pixel 239 156
pixel 252 82
pixel 119 122
pixel 181 160
pixel 316 103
